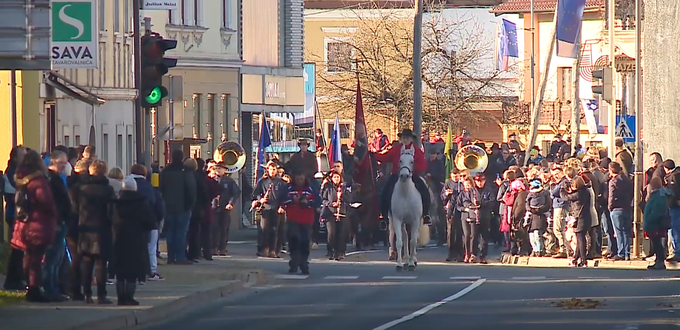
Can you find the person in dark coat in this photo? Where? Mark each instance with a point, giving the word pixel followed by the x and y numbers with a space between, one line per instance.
pixel 153 197
pixel 93 202
pixel 37 215
pixel 538 205
pixel 80 175
pixel 132 221
pixel 213 188
pixel 14 279
pixel 226 199
pixel 198 212
pixel 578 196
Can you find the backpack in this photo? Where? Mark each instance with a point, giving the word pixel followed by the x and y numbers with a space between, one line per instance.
pixel 22 203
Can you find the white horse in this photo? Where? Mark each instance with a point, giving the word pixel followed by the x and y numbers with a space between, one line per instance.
pixel 406 209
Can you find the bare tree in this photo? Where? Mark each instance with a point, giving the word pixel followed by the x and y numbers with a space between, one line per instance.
pixel 457 70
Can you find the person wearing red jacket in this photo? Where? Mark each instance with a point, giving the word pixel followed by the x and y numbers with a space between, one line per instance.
pixel 300 201
pixel 420 167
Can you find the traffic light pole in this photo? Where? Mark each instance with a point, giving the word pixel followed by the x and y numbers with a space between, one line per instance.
pixel 138 80
pixel 147 111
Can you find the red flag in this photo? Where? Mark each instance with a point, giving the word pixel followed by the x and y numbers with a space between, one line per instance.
pixel 364 173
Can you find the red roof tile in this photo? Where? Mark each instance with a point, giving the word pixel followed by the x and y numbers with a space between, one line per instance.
pixel 524 6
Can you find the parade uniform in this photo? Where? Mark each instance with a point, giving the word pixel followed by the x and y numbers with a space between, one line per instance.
pixel 270 220
pixel 336 218
pixel 300 204
pixel 229 193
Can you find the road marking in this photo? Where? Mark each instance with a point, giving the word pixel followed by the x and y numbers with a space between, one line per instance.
pixel 291 277
pixel 593 277
pixel 341 277
pixel 362 252
pixel 399 277
pixel 529 278
pixel 626 327
pixel 465 278
pixel 428 308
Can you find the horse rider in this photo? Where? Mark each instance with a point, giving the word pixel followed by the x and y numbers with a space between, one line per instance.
pixel 405 145
pixel 304 161
pixel 267 198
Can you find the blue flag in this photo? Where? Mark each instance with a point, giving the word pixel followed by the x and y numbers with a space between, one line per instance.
pixel 507 44
pixel 265 141
pixel 334 151
pixel 569 19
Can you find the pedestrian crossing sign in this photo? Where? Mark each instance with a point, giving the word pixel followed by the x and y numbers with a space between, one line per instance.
pixel 623 131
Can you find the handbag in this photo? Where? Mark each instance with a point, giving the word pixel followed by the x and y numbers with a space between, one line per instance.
pixel 17 241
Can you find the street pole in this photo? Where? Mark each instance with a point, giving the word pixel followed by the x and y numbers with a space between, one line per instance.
pixel 536 111
pixel 147 112
pixel 533 54
pixel 638 127
pixel 137 47
pixel 417 76
pixel 576 103
pixel 611 118
pixel 13 105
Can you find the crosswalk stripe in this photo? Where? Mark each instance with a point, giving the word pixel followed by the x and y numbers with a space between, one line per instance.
pixel 291 277
pixel 529 278
pixel 399 277
pixel 341 277
pixel 465 278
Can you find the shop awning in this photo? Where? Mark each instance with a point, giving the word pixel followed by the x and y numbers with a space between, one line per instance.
pixel 70 88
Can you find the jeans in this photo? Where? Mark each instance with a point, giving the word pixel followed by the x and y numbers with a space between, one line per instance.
pixel 53 258
pixel 176 227
pixel 608 227
pixel 470 235
pixel 153 262
pixel 559 227
pixel 536 238
pixel 622 221
pixel 674 232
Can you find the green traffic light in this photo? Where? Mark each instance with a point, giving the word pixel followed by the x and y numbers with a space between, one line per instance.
pixel 154 96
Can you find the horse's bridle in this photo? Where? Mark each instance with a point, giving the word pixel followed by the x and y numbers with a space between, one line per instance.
pixel 410 172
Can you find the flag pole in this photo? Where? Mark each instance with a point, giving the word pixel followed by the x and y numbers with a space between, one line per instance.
pixel 638 128
pixel 536 111
pixel 533 54
pixel 576 103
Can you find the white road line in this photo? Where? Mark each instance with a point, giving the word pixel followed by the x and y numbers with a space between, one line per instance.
pixel 362 252
pixel 399 277
pixel 428 308
pixel 341 277
pixel 291 277
pixel 465 278
pixel 529 278
pixel 593 277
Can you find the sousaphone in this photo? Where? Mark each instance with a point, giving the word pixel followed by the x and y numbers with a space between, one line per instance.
pixel 471 158
pixel 231 154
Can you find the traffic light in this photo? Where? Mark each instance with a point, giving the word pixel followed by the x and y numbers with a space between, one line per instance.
pixel 154 67
pixel 602 83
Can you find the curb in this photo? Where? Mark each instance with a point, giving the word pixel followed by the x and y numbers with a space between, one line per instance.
pixel 161 312
pixel 543 262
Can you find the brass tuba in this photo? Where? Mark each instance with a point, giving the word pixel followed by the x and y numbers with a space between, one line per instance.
pixel 231 154
pixel 471 158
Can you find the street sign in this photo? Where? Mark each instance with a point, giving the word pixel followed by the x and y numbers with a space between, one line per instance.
pixel 75 42
pixel 159 5
pixel 25 35
pixel 625 64
pixel 626 128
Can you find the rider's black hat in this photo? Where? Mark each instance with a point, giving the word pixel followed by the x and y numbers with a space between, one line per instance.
pixel 406 133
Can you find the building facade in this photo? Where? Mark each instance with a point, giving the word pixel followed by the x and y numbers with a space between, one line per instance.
pixel 559 95
pixel 204 86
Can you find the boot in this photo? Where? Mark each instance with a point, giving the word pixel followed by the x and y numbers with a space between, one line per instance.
pixel 35 295
pixel 130 289
pixel 120 292
pixel 102 300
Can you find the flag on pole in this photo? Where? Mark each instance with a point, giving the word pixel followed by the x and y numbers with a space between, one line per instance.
pixel 364 171
pixel 334 151
pixel 447 150
pixel 507 44
pixel 569 19
pixel 265 141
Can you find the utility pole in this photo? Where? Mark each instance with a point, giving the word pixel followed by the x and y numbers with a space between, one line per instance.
pixel 417 75
pixel 533 54
pixel 147 111
pixel 137 49
pixel 638 128
pixel 13 105
pixel 536 111
pixel 576 103
pixel 611 119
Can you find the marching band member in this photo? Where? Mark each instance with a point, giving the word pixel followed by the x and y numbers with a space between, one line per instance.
pixel 335 213
pixel 266 200
pixel 299 203
pixel 229 194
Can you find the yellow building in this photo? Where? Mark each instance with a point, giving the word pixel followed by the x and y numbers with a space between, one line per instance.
pixel 325 32
pixel 27 112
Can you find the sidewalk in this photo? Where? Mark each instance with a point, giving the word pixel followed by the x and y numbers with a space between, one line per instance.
pixel 184 287
pixel 508 259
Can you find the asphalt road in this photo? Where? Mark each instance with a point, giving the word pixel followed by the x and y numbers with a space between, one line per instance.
pixel 365 292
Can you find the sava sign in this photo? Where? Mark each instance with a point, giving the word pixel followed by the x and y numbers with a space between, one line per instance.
pixel 74 36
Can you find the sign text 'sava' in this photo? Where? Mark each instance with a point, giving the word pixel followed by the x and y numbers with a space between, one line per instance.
pixel 74 36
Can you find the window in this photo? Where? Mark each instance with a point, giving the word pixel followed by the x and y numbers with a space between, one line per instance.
pixel 101 9
pixel 339 56
pixel 116 16
pixel 119 151
pixel 67 140
pixel 564 84
pixel 130 152
pixel 77 140
pixel 105 147
pixel 126 16
pixel 224 115
pixel 226 14
pixel 210 125
pixel 197 13
pixel 197 114
pixel 345 130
